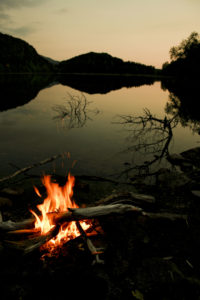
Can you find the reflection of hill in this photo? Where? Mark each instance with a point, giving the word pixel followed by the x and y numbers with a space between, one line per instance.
pixel 103 84
pixel 19 90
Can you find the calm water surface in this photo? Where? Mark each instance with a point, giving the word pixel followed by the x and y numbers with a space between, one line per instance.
pixel 48 125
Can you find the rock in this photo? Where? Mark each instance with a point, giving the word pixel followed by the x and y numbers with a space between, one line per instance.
pixel 163 171
pixel 186 167
pixel 83 186
pixel 177 159
pixel 196 193
pixel 1 249
pixel 172 179
pixel 127 164
pixel 5 202
pixel 13 191
pixel 193 155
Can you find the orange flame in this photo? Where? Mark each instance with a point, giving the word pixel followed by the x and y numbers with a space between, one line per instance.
pixel 58 200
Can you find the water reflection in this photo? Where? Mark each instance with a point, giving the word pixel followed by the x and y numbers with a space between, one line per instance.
pixel 93 84
pixel 187 117
pixel 30 133
pixel 75 113
pixel 17 90
pixel 184 97
pixel 150 137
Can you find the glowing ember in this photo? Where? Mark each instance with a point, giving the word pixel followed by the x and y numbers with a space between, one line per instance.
pixel 58 200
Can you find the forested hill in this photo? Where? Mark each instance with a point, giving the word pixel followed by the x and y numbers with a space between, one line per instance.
pixel 102 63
pixel 185 59
pixel 18 56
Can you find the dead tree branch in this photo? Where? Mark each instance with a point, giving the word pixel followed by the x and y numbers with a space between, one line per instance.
pixel 25 169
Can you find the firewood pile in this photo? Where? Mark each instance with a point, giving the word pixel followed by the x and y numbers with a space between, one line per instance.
pixel 10 230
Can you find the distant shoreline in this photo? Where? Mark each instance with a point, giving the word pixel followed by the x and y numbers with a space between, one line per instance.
pixel 156 76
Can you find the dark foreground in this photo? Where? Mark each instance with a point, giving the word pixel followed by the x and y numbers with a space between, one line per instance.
pixel 144 258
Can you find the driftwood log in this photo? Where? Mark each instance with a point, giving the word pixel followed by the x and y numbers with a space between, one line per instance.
pixel 141 200
pixel 93 212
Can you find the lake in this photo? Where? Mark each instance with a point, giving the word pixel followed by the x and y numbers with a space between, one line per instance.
pixel 61 119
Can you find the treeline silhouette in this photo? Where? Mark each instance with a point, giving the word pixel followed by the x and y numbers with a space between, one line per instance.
pixel 183 79
pixel 103 63
pixel 17 56
pixel 185 59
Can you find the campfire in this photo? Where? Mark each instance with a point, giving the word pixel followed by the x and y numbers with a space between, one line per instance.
pixel 58 219
pixel 58 200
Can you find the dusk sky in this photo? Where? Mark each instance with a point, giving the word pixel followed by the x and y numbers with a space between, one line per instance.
pixel 136 30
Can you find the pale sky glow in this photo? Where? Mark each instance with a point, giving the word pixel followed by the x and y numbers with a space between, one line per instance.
pixel 135 30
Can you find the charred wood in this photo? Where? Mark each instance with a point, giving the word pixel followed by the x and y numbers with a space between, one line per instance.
pixel 93 250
